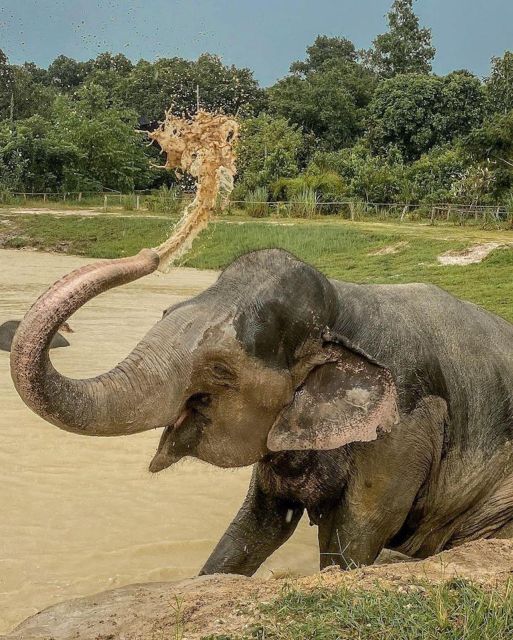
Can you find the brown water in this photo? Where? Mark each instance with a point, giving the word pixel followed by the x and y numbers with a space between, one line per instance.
pixel 80 515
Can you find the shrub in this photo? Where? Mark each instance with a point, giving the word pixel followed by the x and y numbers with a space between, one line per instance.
pixel 328 187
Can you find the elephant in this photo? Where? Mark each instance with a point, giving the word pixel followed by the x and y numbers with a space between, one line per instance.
pixel 8 329
pixel 385 412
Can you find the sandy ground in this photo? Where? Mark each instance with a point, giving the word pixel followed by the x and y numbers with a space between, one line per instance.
pixel 80 515
pixel 471 255
pixel 208 605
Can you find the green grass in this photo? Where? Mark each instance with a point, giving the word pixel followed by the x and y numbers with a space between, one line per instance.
pixel 457 610
pixel 338 248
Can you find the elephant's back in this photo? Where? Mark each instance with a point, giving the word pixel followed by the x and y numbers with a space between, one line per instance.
pixel 437 344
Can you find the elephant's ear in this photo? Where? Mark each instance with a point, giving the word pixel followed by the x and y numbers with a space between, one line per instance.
pixel 350 398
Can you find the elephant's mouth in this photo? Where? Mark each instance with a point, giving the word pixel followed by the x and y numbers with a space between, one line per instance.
pixel 180 438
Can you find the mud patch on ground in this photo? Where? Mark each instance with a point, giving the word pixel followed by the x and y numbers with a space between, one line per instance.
pixel 208 605
pixel 471 255
pixel 390 249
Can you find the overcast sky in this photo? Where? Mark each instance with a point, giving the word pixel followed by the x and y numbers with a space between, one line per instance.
pixel 264 35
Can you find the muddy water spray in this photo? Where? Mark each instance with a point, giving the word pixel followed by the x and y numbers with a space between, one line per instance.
pixel 203 147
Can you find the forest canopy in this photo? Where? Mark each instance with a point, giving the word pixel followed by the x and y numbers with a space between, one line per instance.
pixel 376 125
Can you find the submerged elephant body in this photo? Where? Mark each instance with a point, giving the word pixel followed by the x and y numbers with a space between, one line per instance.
pixel 8 329
pixel 385 412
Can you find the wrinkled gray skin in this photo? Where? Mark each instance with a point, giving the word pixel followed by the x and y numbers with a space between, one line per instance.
pixel 8 329
pixel 385 412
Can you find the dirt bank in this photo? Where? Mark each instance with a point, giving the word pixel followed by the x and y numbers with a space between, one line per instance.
pixel 196 608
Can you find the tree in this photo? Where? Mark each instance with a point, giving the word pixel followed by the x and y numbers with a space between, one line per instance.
pixel 328 103
pixel 413 113
pixel 44 156
pixel 150 89
pixel 110 62
pixel 6 85
pixel 325 50
pixel 493 143
pixel 111 153
pixel 12 163
pixel 67 74
pixel 29 97
pixel 431 178
pixel 268 149
pixel 499 84
pixel 79 145
pixel 406 47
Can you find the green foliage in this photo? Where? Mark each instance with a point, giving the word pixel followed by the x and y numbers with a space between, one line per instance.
pixel 67 74
pixel 376 122
pixel 406 47
pixel 21 94
pixel 303 203
pixel 494 142
pixel 255 203
pixel 325 50
pixel 165 200
pixel 374 180
pixel 499 84
pixel 414 113
pixel 80 147
pixel 431 178
pixel 150 88
pixel 328 102
pixel 268 148
pixel 6 86
pixel 474 185
pixel 328 186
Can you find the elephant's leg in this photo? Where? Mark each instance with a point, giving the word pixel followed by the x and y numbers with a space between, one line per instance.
pixel 342 541
pixel 262 524
pixel 383 484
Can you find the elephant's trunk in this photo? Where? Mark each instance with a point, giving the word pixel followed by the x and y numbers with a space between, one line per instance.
pixel 119 402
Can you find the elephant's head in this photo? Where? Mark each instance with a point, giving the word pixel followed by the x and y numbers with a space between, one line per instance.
pixel 247 367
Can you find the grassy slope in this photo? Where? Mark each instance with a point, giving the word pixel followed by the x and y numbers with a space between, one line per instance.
pixel 452 611
pixel 340 249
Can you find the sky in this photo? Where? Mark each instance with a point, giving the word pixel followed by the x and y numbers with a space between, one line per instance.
pixel 264 35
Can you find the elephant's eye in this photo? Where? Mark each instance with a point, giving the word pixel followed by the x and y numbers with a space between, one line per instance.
pixel 221 374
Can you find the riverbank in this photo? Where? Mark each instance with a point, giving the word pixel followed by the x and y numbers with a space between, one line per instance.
pixel 364 252
pixel 463 593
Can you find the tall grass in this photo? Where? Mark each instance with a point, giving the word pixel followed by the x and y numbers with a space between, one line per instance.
pixel 165 200
pixel 304 203
pixel 255 203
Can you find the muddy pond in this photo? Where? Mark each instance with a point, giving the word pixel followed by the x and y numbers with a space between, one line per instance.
pixel 81 515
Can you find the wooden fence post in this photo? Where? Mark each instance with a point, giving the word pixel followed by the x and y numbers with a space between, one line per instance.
pixel 105 203
pixel 137 202
pixel 80 196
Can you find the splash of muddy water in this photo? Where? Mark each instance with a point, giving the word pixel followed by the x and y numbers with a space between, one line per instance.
pixel 202 146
